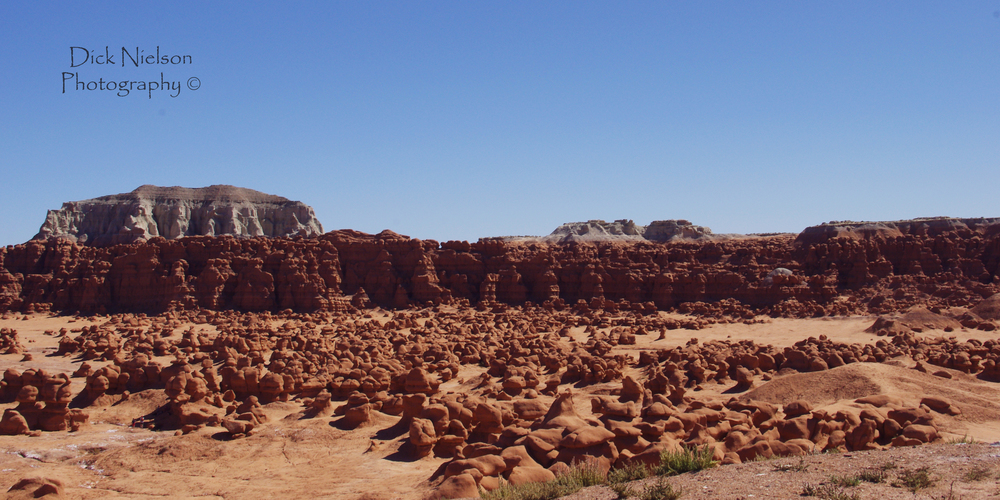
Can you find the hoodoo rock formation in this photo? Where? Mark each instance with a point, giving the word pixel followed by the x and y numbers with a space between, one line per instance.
pixel 519 418
pixel 174 212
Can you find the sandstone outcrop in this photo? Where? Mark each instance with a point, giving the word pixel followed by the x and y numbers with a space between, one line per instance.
pixel 827 271
pixel 663 231
pixel 520 418
pixel 883 230
pixel 378 331
pixel 43 403
pixel 660 231
pixel 596 230
pixel 174 212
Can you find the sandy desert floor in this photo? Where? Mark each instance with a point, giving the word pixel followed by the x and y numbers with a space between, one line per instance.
pixel 296 457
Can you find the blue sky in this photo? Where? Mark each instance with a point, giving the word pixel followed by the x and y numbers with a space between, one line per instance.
pixel 459 120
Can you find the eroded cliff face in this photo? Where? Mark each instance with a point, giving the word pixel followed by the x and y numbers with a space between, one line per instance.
pixel 174 212
pixel 592 231
pixel 828 272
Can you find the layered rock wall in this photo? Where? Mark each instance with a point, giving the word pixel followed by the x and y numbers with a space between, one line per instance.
pixel 174 212
pixel 828 272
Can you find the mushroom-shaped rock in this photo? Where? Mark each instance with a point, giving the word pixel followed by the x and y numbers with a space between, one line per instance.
pixel 486 465
pixel 515 456
pixel 562 414
pixel 13 423
pixel 940 405
pixel 862 436
pixel 458 486
pixel 794 428
pixel 796 408
pixel 196 388
pixel 586 437
pixel 419 381
pixel 97 386
pixel 905 416
pixel 530 409
pixel 922 433
pixel 626 411
pixel 321 404
pixel 537 474
pixel 237 427
pixel 271 387
pixel 412 405
pixel 358 416
pixel 758 449
pixel 488 418
pixel 422 436
pixel 744 379
pixel 631 390
pixel 880 400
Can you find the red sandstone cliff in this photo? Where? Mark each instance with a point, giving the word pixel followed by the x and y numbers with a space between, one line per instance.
pixel 832 269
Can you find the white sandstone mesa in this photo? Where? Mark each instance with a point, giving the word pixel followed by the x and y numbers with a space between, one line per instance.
pixel 175 212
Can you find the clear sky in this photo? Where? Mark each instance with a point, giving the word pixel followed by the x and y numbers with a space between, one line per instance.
pixel 459 120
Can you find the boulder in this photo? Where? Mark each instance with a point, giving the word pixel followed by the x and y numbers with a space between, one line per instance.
pixel 458 486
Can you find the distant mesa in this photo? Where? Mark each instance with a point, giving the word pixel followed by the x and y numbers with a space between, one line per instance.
pixel 175 212
pixel 597 230
pixel 920 226
pixel 661 231
pixel 670 230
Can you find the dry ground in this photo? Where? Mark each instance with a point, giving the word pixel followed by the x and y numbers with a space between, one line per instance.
pixel 293 457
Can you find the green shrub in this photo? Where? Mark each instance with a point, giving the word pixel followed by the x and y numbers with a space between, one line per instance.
pixel 828 492
pixel 915 480
pixel 872 476
pixel 623 490
pixel 845 481
pixel 628 473
pixel 660 490
pixel 800 467
pixel 977 473
pixel 580 476
pixel 686 460
pixel 963 440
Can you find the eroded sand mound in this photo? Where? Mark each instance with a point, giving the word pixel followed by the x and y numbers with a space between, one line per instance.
pixel 852 381
pixel 989 308
pixel 977 401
